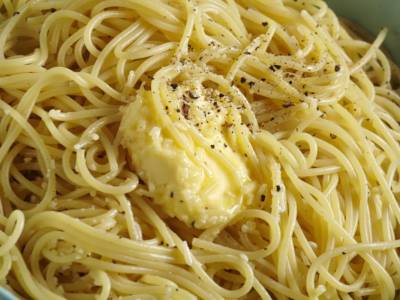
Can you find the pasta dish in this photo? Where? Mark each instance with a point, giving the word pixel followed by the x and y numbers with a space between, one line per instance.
pixel 196 149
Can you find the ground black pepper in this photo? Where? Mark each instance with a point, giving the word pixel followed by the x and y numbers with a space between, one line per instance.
pixel 193 96
pixel 185 110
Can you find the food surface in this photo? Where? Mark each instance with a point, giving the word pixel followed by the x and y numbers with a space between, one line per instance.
pixel 198 176
pixel 196 149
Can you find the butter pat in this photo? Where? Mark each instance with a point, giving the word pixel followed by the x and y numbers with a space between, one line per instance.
pixel 197 177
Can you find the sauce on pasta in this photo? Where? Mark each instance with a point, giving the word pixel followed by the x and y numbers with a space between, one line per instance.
pixel 195 149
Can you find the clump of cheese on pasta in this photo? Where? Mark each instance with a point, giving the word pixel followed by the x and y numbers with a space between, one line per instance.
pixel 199 174
pixel 195 150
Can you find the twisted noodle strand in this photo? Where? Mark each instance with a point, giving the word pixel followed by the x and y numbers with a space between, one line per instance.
pixel 316 122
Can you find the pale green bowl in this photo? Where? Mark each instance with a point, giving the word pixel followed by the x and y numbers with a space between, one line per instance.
pixel 370 14
pixel 5 295
pixel 374 15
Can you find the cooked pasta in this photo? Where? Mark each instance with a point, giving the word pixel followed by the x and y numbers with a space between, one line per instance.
pixel 195 149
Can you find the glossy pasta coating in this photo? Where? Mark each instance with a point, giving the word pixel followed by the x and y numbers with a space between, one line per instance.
pixel 303 137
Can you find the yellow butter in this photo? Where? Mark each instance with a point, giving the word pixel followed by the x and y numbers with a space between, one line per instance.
pixel 203 181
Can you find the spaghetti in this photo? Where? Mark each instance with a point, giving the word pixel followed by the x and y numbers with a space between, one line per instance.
pixel 314 123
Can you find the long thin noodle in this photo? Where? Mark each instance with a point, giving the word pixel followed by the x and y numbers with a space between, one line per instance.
pixel 314 119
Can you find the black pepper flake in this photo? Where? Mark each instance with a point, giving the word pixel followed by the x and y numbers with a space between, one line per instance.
pixel 278 188
pixel 272 68
pixel 16 13
pixel 288 104
pixel 333 136
pixel 171 195
pixel 212 146
pixel 166 107
pixel 178 110
pixel 174 86
pixel 225 145
pixel 278 67
pixel 337 68
pixel 306 94
pixel 247 53
pixel 262 198
pixel 185 110
pixel 290 82
pixel 251 84
pixel 221 95
pixel 263 79
pixel 193 96
pixel 242 80
pixel 273 118
pixel 264 24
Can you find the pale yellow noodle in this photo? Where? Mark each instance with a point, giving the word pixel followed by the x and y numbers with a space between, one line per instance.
pixel 314 118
